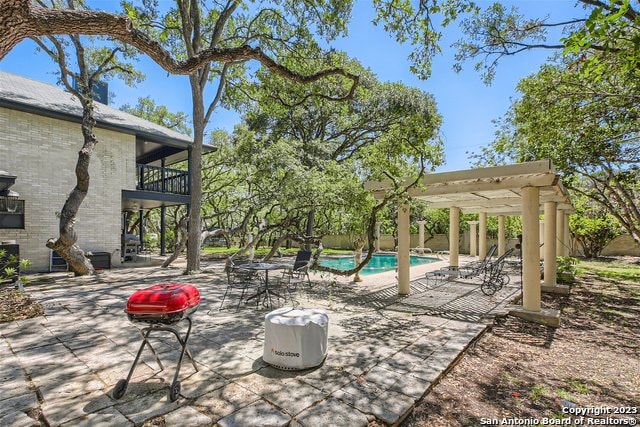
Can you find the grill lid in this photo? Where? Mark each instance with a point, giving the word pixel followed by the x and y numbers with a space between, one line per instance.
pixel 163 298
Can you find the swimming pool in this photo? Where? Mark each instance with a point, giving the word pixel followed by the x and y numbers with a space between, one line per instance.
pixel 379 263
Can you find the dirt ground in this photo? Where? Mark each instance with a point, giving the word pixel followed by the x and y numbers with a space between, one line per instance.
pixel 528 372
pixel 15 305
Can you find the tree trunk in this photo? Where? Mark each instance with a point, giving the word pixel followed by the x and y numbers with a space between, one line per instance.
pixel 358 245
pixel 310 220
pixel 218 232
pixel 65 244
pixel 181 229
pixel 276 246
pixel 193 241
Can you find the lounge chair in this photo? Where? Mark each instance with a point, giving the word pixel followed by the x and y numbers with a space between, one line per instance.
pixel 471 270
pixel 494 278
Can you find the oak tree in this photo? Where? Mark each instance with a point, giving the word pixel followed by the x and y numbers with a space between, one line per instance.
pixel 81 67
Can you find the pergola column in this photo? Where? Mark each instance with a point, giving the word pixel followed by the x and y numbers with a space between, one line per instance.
pixel 530 251
pixel 482 235
pixel 541 239
pixel 473 238
pixel 560 248
pixel 403 249
pixel 550 262
pixel 567 235
pixel 454 236
pixel 421 236
pixel 502 242
pixel 163 231
pixel 141 214
pixel 377 235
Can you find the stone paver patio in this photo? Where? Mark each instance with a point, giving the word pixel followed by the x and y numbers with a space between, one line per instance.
pixel 384 354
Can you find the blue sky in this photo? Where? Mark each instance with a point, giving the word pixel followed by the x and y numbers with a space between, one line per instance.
pixel 466 104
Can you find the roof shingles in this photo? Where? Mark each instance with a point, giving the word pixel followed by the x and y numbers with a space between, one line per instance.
pixel 30 95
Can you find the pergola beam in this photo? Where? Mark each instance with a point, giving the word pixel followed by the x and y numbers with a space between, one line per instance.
pixel 530 170
pixel 489 202
pixel 510 210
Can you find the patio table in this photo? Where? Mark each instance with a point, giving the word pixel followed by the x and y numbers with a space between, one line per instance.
pixel 266 267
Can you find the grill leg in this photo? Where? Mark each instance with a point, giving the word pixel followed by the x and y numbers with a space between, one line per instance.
pixel 183 343
pixel 146 341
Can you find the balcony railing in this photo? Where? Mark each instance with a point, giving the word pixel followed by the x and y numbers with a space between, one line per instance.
pixel 162 180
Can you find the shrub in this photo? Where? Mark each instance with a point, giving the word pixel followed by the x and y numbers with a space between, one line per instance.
pixel 10 267
pixel 567 268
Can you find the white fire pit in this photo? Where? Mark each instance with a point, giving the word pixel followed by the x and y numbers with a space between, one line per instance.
pixel 295 338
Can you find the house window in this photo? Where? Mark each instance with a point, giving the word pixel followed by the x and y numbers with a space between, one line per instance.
pixel 11 212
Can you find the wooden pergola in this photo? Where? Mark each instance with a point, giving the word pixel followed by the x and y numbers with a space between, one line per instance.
pixel 526 189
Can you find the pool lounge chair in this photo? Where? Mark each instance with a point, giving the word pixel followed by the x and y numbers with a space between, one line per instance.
pixel 471 270
pixel 494 278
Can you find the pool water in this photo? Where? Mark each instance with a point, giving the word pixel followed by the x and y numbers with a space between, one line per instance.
pixel 379 263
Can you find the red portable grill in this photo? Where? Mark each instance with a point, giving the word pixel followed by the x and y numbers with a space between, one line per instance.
pixel 159 307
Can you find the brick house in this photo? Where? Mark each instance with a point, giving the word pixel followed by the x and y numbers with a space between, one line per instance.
pixel 39 140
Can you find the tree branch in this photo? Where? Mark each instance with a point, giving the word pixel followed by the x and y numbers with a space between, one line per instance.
pixel 19 19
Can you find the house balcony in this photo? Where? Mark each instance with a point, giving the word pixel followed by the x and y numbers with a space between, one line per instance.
pixel 162 180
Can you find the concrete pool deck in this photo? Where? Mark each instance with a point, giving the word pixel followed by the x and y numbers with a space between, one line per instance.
pixel 385 352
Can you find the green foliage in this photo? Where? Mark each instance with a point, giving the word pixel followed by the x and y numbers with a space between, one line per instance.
pixel 579 111
pixel 147 109
pixel 567 268
pixel 578 386
pixel 593 227
pixel 295 155
pixel 538 392
pixel 608 36
pixel 613 270
pixel 10 267
pixel 437 220
pixel 283 36
pixel 602 34
pixel 494 33
pixel 588 129
pixel 415 24
pixel 512 225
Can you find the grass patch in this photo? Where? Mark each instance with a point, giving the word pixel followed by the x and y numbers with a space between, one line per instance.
pixel 221 250
pixel 16 305
pixel 538 391
pixel 564 394
pixel 218 250
pixel 578 386
pixel 612 270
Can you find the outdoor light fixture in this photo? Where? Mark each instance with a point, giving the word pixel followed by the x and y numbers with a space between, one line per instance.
pixel 8 198
pixel 9 201
pixel 11 208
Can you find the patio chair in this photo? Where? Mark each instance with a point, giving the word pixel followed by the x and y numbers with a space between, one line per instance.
pixel 239 279
pixel 299 273
pixel 302 258
pixel 473 269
